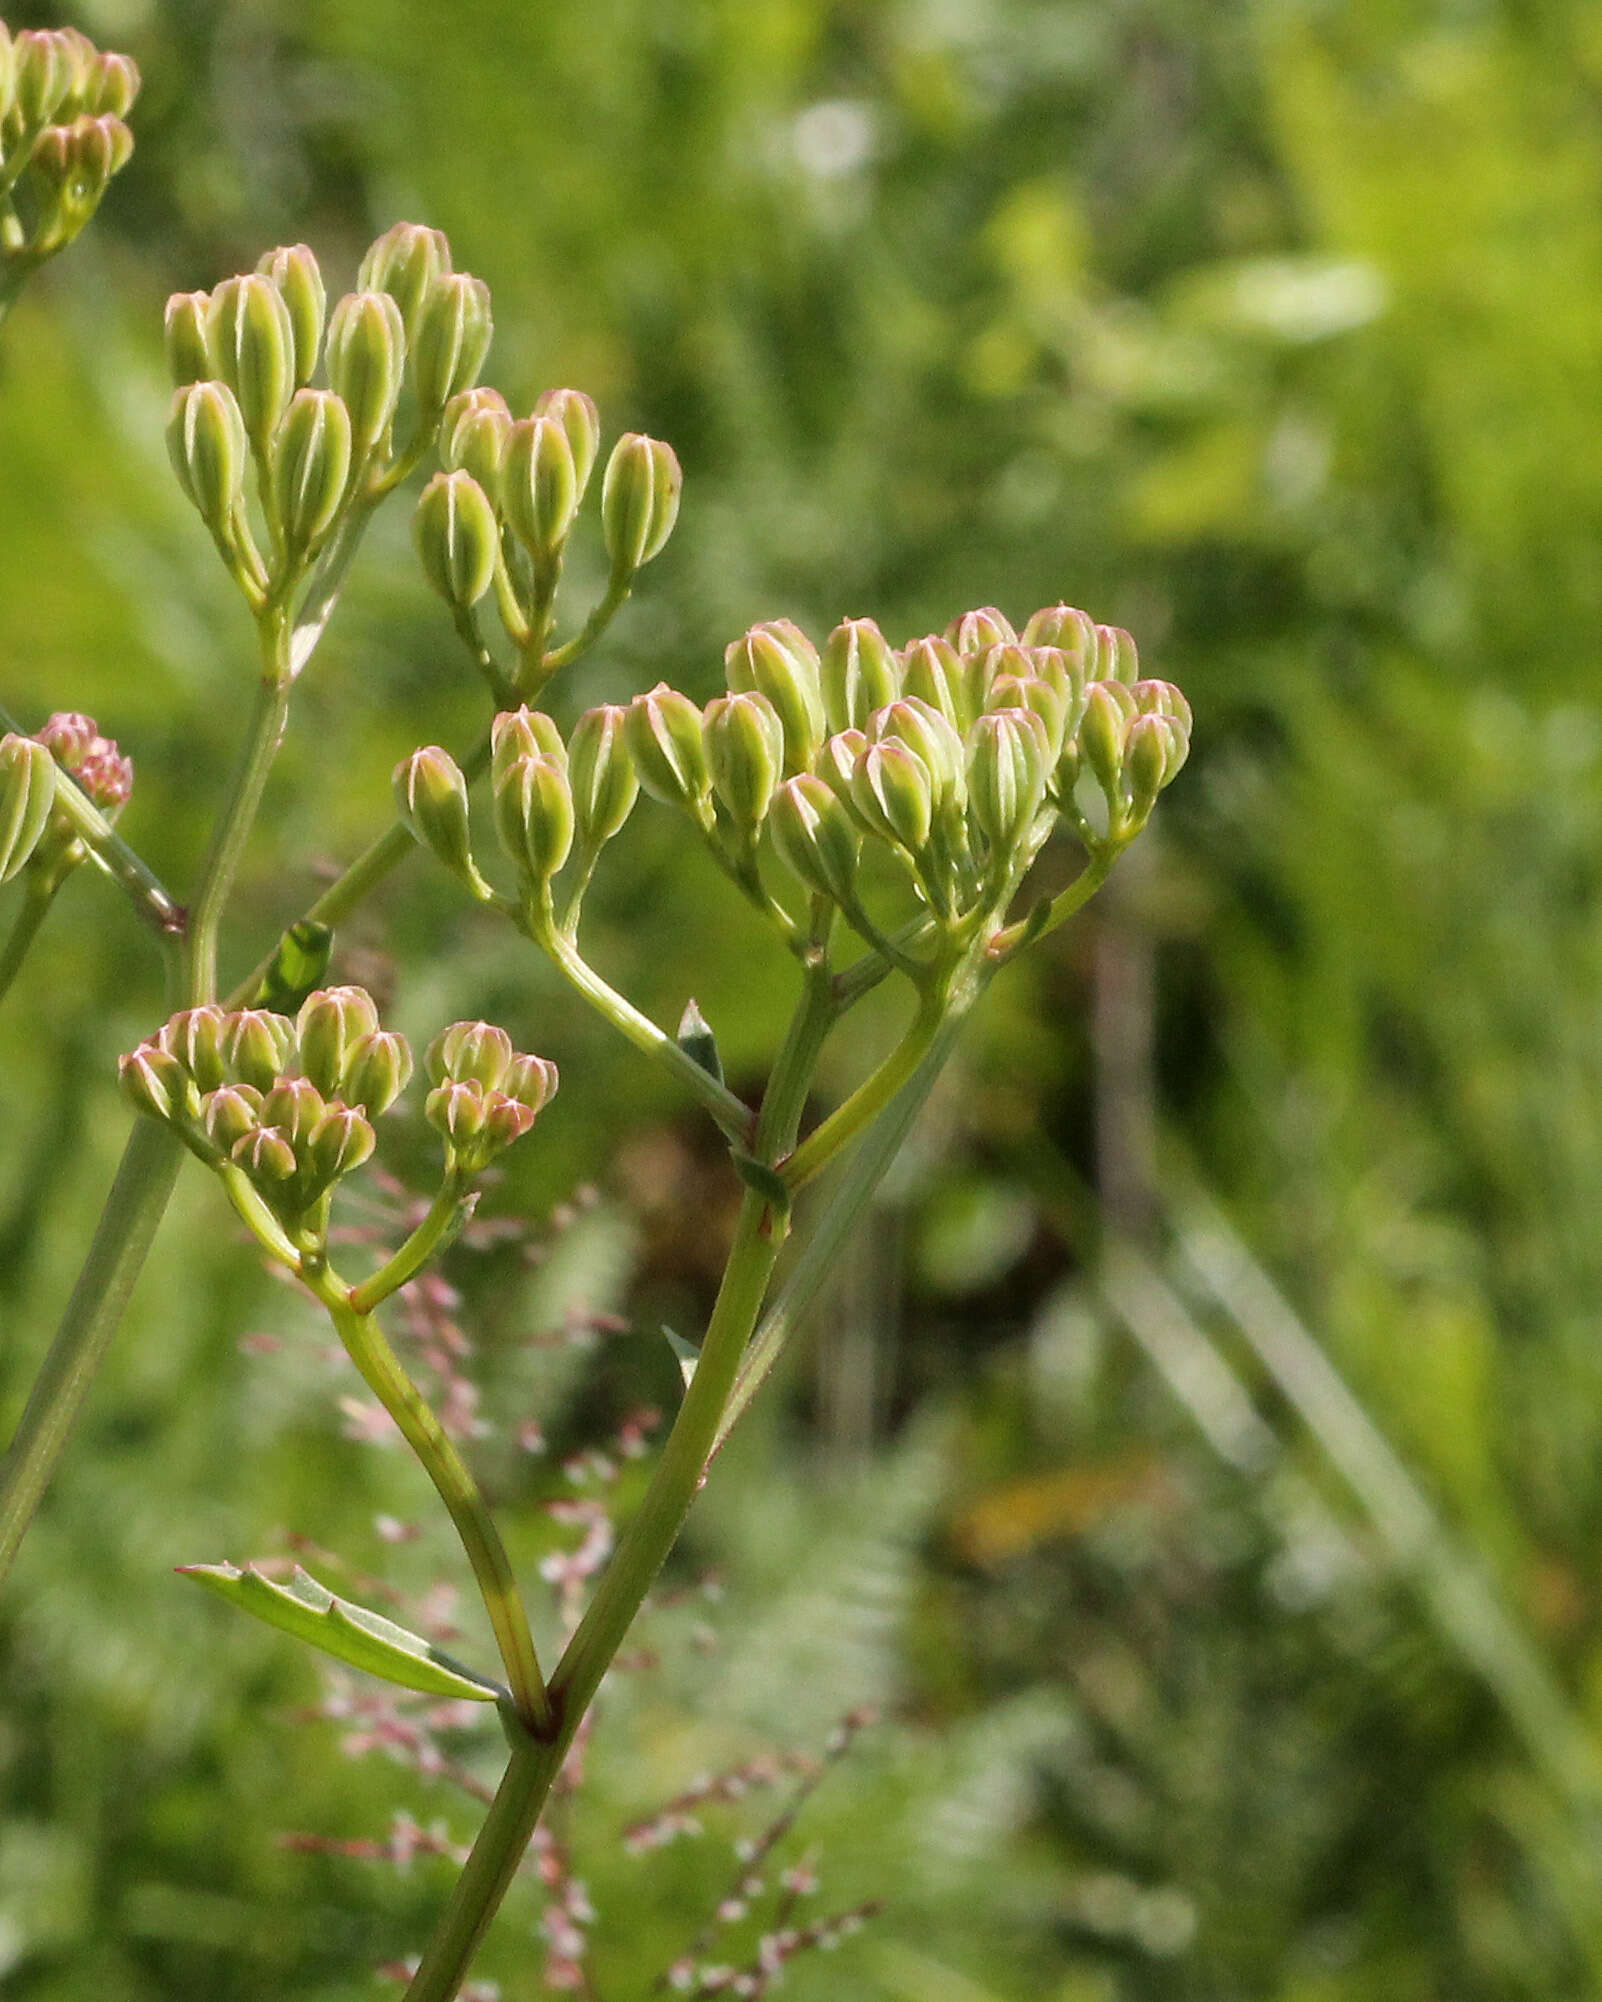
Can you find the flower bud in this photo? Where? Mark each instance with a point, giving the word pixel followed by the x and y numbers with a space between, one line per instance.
pixel 1101 737
pixel 329 1024
pixel 153 1081
pixel 1148 750
pixel 1065 673
pixel 206 442
pixel 978 631
pixel 779 661
pixel 858 673
pixel 474 434
pixel 665 738
pixel 892 793
pixel 293 269
pixel 293 1107
pixel 539 486
pixel 27 794
pixel 456 537
pixel 311 465
pixel 111 85
pixel 378 1068
pixel 406 262
pixel 229 1113
pixel 523 733
pixel 336 1146
pixel 257 1044
pixel 837 761
pixel 469 1051
pixel 505 1119
pixel 639 501
pixel 601 773
pixel 534 815
pixel 580 422
pixel 456 1110
pixel 365 356
pixel 249 332
pixel 1116 655
pixel 195 1038
pixel 188 345
pixel 1013 691
pixel 745 755
pixel 1161 698
pixel 1066 627
pixel 925 731
pixel 1009 757
pixel 932 670
pixel 451 338
pixel 267 1157
pixel 814 836
pixel 531 1081
pixel 46 67
pixel 431 796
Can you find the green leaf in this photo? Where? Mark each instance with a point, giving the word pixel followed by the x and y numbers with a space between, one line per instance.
pixel 769 1184
pixel 298 966
pixel 349 1633
pixel 685 1354
pixel 698 1042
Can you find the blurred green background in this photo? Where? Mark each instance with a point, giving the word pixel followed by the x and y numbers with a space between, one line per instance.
pixel 1197 1462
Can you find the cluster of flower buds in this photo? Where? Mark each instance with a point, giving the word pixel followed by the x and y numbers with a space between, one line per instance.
pixel 33 830
pixel 62 137
pixel 485 1094
pixel 394 354
pixel 510 493
pixel 958 754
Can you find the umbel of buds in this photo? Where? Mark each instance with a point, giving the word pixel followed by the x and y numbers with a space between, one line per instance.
pixel 485 1095
pixel 35 831
pixel 62 138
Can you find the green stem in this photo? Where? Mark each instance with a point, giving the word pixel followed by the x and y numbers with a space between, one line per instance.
pixel 262 739
pixel 38 895
pixel 447 1213
pixel 382 1372
pixel 875 1092
pixel 1062 906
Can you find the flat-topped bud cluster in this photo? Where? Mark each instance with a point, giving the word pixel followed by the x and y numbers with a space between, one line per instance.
pixel 246 411
pixel 62 135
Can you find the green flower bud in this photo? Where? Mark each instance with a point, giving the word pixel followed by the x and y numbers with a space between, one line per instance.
pixel 469 1051
pixel 456 537
pixel 1116 656
pixel 452 337
pixel 267 1157
pixel 111 85
pixel 1012 691
pixel 581 424
pixel 859 672
pixel 893 795
pixel 1148 751
pixel 779 661
pixel 539 486
pixel 336 1146
pixel 639 501
pixel 208 448
pixel 257 1045
pixel 153 1081
pixel 46 67
pixel 456 1110
pixel 311 465
pixel 932 670
pixel 249 331
pixel 189 356
pixel 1101 737
pixel 293 269
pixel 1161 698
pixel 365 357
pixel 1065 673
pixel 1066 627
pixel 531 1082
pixel 523 733
pixel 27 795
pixel 293 1107
pixel 601 773
pixel 330 1023
pixel 1009 757
pixel 229 1113
pixel 195 1038
pixel 978 631
pixel 837 762
pixel 406 262
pixel 925 731
pixel 745 755
pixel 505 1119
pixel 665 738
pixel 474 434
pixel 534 815
pixel 378 1068
pixel 431 795
pixel 815 836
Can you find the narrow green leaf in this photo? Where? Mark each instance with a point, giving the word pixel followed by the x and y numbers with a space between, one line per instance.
pixel 685 1354
pixel 299 965
pixel 348 1632
pixel 697 1041
pixel 769 1184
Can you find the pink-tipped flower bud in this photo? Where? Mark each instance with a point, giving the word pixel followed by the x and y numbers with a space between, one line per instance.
pixel 664 733
pixel 366 356
pixel 46 69
pixel 257 1045
pixel 539 487
pixel 1013 691
pixel 187 342
pixel 745 755
pixel 534 816
pixel 893 795
pixel 1117 658
pixel 405 263
pixel 196 1038
pixel 932 670
pixel 777 660
pixel 268 1158
pixel 208 447
pixel 1009 758
pixel 111 85
pixel 858 673
pixel 330 1023
pixel 601 773
pixel 27 794
pixel 431 796
pixel 294 270
pixel 639 501
pixel 531 1081
pixel 1148 750
pixel 249 332
pixel 1101 737
pixel 523 733
pixel 228 1114
pixel 336 1146
pixel 474 434
pixel 978 631
pixel 378 1068
pixel 1161 698
pixel 154 1082
pixel 457 538
pixel 581 425
pixel 815 836
pixel 311 465
pixel 926 732
pixel 456 1110
pixel 475 1052
pixel 837 762
pixel 293 1107
pixel 1063 626
pixel 1065 673
pixel 451 339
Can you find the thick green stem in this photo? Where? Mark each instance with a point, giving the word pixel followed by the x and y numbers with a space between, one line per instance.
pixel 381 1371
pixel 872 1096
pixel 447 1213
pixel 232 831
pixel 38 896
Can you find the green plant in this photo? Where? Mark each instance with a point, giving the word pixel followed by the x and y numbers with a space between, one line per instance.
pixel 880 809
